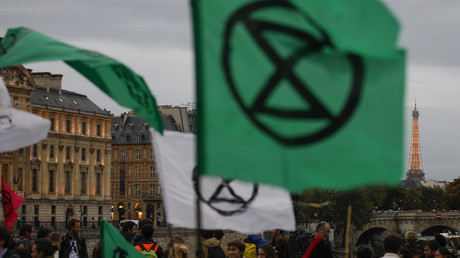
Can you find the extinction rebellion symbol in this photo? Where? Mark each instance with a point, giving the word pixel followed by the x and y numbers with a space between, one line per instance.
pixel 300 71
pixel 229 197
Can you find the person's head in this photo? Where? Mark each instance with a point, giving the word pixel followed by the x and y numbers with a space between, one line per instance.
pixel 430 248
pixel 277 233
pixel 440 239
pixel 392 244
pixel 206 234
pixel 147 231
pixel 5 238
pixel 44 233
pixel 143 222
pixel 364 251
pixel 235 248
pixel 442 252
pixel 411 237
pixel 26 230
pixel 219 234
pixel 179 251
pixel 19 252
pixel 266 251
pixel 175 240
pixel 43 248
pixel 323 229
pixel 56 239
pixel 73 225
pixel 129 227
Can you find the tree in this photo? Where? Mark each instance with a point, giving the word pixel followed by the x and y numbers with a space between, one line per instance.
pixel 451 196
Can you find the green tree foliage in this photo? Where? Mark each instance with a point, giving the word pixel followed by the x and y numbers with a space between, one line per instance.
pixel 451 196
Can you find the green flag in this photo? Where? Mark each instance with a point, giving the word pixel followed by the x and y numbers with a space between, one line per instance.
pixel 114 245
pixel 300 94
pixel 22 45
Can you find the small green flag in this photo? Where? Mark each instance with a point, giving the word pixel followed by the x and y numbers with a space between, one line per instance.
pixel 299 94
pixel 114 245
pixel 22 45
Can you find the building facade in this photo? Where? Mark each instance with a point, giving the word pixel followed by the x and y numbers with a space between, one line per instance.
pixel 135 186
pixel 68 173
pixel 184 117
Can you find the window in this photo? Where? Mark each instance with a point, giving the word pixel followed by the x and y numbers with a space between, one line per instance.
pixel 83 182
pixel 24 209
pixel 137 172
pixel 53 222
pixel 53 209
pixel 83 128
pixel 98 155
pixel 99 130
pixel 51 151
pixel 52 124
pixel 68 126
pixel 67 153
pixel 34 150
pixel 20 178
pixel 21 151
pixel 123 154
pixel 138 190
pixel 99 210
pixel 138 154
pixel 85 210
pixel 98 183
pixel 152 171
pixel 51 181
pixel 151 190
pixel 83 154
pixel 152 155
pixel 34 180
pixel 67 182
pixel 36 209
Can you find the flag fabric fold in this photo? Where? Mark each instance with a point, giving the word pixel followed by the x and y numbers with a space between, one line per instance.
pixel 19 128
pixel 225 204
pixel 11 202
pixel 299 94
pixel 23 45
pixel 114 244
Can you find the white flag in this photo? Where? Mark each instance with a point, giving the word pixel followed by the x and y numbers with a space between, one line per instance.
pixel 19 128
pixel 225 204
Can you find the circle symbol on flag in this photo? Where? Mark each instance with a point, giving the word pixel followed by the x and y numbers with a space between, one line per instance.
pixel 7 204
pixel 228 197
pixel 287 76
pixel 119 253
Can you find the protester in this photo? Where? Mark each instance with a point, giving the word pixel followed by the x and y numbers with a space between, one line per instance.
pixel 211 245
pixel 73 245
pixel 392 246
pixel 6 242
pixel 43 248
pixel 174 240
pixel 26 233
pixel 319 246
pixel 280 243
pixel 138 236
pixel 178 251
pixel 128 231
pixel 364 251
pixel 56 239
pixel 97 251
pixel 44 233
pixel 19 252
pixel 411 243
pixel 235 249
pixel 442 252
pixel 430 248
pixel 266 251
pixel 147 244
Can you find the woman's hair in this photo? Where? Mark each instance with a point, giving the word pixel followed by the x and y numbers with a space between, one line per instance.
pixel 411 236
pixel 443 251
pixel 55 237
pixel 178 251
pixel 24 229
pixel 268 250
pixel 44 245
pixel 364 251
pixel 176 239
pixel 238 244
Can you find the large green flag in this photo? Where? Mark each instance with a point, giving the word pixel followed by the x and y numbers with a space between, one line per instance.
pixel 114 245
pixel 22 45
pixel 299 93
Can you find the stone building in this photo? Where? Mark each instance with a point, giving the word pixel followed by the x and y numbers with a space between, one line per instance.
pixel 68 173
pixel 135 187
pixel 184 116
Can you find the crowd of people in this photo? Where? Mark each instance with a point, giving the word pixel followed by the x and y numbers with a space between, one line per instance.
pixel 48 244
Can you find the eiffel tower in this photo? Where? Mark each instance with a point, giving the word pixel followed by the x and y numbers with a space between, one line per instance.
pixel 415 170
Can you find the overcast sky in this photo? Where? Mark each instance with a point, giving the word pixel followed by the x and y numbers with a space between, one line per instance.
pixel 153 37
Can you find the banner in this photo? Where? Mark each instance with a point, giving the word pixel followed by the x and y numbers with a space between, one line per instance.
pixel 225 204
pixel 19 128
pixel 11 202
pixel 22 45
pixel 300 94
pixel 114 244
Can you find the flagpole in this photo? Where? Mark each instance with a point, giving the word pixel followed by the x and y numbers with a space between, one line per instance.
pixel 198 216
pixel 347 236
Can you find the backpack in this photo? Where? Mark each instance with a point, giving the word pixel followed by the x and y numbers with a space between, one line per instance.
pixel 151 252
pixel 23 243
pixel 250 251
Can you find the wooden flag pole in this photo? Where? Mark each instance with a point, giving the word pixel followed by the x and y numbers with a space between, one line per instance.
pixel 347 236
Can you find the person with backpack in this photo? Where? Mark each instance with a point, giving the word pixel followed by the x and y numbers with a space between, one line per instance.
pixel 26 233
pixel 147 246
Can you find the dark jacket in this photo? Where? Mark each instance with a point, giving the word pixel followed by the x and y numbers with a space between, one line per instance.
pixel 66 248
pixel 127 236
pixel 322 250
pixel 211 249
pixel 282 247
pixel 137 239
